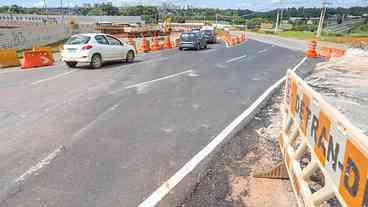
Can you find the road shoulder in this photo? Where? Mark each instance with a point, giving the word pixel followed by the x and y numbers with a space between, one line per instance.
pixel 229 178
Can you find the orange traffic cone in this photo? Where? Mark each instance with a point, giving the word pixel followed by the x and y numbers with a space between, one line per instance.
pixel 155 44
pixel 227 41
pixel 177 42
pixel 242 37
pixel 233 41
pixel 167 43
pixel 311 52
pixel 131 41
pixel 144 46
pixel 238 40
pixel 148 46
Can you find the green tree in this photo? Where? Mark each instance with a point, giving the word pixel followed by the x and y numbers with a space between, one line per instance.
pixel 15 9
pixel 110 10
pixel 96 12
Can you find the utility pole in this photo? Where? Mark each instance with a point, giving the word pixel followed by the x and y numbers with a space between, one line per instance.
pixel 216 19
pixel 45 7
pixel 62 11
pixel 322 19
pixel 277 21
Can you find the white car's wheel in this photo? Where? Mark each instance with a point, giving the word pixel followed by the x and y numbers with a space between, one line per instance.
pixel 130 57
pixel 96 61
pixel 71 64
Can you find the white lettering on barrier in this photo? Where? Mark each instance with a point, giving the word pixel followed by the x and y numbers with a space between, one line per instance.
pixel 336 147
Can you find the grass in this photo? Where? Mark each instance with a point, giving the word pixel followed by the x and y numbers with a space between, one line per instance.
pixel 297 35
pixel 359 34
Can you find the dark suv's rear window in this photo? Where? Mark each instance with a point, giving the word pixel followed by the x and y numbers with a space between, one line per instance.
pixel 208 32
pixel 188 36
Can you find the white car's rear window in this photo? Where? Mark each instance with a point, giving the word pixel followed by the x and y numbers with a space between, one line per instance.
pixel 78 40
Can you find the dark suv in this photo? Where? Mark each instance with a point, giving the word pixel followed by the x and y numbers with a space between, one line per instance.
pixel 210 36
pixel 192 40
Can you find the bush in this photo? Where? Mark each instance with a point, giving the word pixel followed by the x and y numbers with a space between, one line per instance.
pixel 305 27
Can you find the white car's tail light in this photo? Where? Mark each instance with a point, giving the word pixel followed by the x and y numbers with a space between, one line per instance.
pixel 87 47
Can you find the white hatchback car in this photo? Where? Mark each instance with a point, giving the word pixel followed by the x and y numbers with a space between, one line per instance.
pixel 95 49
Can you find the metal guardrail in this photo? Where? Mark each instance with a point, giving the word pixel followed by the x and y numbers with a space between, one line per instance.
pixel 317 138
pixel 344 27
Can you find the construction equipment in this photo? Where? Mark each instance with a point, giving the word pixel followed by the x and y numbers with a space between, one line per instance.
pixel 167 24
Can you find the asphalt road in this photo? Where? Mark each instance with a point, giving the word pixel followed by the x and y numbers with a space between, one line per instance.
pixel 110 137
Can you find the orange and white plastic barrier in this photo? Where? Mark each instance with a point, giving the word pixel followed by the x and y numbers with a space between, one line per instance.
pixel 48 50
pixel 33 59
pixel 315 136
pixel 328 53
pixel 324 52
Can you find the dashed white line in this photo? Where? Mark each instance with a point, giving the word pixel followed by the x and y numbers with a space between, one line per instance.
pixel 167 186
pixel 235 59
pixel 46 161
pixel 53 78
pixel 50 157
pixel 262 51
pixel 191 72
pixel 159 79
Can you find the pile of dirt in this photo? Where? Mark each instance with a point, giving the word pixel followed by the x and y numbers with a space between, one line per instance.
pixel 353 41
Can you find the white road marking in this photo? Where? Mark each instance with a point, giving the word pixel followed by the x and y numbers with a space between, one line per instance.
pixel 53 78
pixel 46 68
pixel 143 84
pixel 167 186
pixel 159 79
pixel 46 161
pixel 50 157
pixel 262 51
pixel 235 59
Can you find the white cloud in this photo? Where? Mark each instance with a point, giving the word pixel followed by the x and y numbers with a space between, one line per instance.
pixel 39 4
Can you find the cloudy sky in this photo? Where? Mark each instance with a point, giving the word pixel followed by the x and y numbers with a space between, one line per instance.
pixel 259 5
